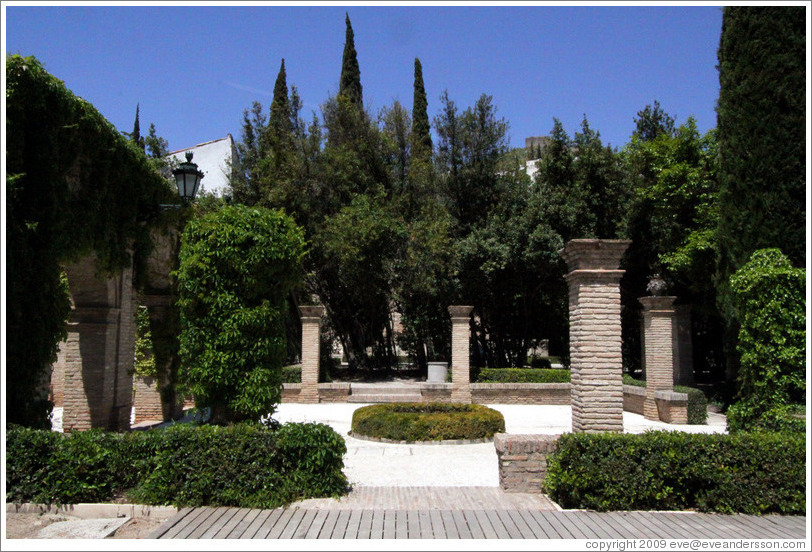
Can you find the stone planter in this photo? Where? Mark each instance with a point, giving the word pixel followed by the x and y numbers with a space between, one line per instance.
pixel 438 372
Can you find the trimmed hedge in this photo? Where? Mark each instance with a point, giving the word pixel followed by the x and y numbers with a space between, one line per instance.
pixel 697 401
pixel 523 375
pixel 293 374
pixel 427 421
pixel 244 465
pixel 755 473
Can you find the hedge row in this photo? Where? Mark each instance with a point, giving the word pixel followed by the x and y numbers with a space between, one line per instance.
pixel 697 402
pixel 427 421
pixel 244 465
pixel 293 374
pixel 754 473
pixel 523 375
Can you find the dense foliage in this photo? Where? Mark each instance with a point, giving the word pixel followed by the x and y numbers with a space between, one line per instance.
pixel 749 473
pixel 65 165
pixel 427 421
pixel 237 267
pixel 245 465
pixel 768 294
pixel 523 375
pixel 761 118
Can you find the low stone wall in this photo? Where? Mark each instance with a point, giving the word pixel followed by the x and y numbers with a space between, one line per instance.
pixel 633 399
pixel 672 407
pixel 334 392
pixel 328 392
pixel 521 393
pixel 523 461
pixel 146 400
pixel 436 392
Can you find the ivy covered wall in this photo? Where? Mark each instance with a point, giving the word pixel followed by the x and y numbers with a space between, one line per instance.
pixel 74 186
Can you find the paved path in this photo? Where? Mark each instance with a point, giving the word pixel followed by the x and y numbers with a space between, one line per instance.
pixel 315 523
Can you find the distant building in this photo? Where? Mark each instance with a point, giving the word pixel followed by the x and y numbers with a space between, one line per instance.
pixel 217 159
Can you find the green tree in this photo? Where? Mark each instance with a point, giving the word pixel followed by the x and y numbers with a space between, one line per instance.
pixel 652 122
pixel 769 300
pixel 249 152
pixel 135 136
pixel 350 82
pixel 421 129
pixel 761 135
pixel 671 221
pixel 237 267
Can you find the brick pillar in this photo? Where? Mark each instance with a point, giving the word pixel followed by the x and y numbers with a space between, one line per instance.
pixel 460 353
pixel 658 323
pixel 98 355
pixel 595 338
pixel 683 346
pixel 311 332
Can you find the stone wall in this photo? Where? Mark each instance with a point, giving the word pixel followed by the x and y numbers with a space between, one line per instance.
pixel 672 407
pixel 95 363
pixel 634 398
pixel 521 393
pixel 523 461
pixel 147 400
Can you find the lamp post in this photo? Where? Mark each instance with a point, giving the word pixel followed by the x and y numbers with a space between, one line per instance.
pixel 187 178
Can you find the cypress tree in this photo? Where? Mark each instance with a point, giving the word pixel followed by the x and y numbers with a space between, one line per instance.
pixel 421 130
pixel 761 135
pixel 279 119
pixel 350 83
pixel 136 133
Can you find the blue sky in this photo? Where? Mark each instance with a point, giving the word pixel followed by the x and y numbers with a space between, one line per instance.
pixel 194 69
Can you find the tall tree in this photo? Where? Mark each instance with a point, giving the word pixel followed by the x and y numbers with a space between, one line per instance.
pixel 761 135
pixel 280 117
pixel 653 121
pixel 350 83
pixel 421 129
pixel 135 136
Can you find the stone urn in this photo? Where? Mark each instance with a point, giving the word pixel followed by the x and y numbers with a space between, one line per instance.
pixel 438 372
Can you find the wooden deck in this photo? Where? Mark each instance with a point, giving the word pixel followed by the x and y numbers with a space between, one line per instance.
pixel 314 523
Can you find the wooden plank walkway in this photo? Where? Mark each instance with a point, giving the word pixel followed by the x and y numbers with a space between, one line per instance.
pixel 311 523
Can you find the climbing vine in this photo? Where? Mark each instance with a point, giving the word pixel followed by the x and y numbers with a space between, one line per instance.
pixel 74 186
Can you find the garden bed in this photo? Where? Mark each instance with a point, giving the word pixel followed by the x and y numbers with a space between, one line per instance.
pixel 421 422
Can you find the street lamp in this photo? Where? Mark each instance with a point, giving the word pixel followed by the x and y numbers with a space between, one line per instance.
pixel 187 177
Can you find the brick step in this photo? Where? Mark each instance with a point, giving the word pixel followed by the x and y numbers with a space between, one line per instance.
pixel 384 398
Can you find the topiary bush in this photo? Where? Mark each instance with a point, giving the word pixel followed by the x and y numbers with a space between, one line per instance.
pixel 245 465
pixel 769 296
pixel 427 421
pixel 755 473
pixel 237 268
pixel 523 375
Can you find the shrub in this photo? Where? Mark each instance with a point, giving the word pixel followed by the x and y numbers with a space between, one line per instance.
pixel 237 267
pixel 293 373
pixel 697 402
pixel 769 297
pixel 523 375
pixel 427 421
pixel 754 473
pixel 243 465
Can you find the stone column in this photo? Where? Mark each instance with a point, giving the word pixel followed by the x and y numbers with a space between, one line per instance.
pixel 98 355
pixel 658 323
pixel 311 332
pixel 683 346
pixel 460 353
pixel 595 337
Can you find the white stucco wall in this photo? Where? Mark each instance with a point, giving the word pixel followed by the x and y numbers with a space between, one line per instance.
pixel 213 159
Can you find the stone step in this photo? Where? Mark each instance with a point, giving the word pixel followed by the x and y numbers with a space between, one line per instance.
pixel 384 398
